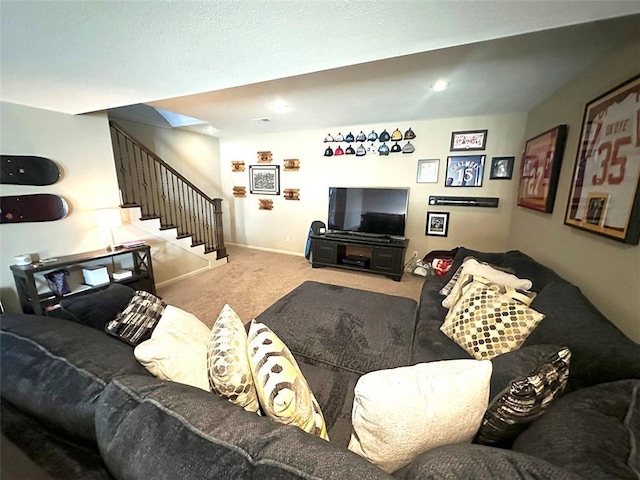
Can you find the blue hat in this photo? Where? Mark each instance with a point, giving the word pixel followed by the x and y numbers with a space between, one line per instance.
pixel 383 149
pixel 373 136
pixel 349 138
pixel 384 136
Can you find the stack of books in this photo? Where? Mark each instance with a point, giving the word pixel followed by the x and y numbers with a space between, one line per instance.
pixel 133 243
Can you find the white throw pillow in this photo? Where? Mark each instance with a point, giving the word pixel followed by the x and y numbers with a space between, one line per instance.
pixel 177 349
pixel 473 267
pixel 402 412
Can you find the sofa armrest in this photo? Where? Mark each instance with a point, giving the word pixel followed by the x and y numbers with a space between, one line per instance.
pixel 470 461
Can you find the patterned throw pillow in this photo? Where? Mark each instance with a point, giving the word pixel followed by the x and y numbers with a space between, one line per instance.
pixel 474 267
pixel 489 319
pixel 526 399
pixel 283 391
pixel 136 322
pixel 228 363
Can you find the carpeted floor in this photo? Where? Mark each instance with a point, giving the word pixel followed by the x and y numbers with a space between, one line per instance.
pixel 255 279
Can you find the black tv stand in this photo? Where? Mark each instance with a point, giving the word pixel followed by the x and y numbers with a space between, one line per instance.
pixel 382 255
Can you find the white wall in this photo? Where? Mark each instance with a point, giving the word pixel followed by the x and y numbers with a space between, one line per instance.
pixel 607 271
pixel 481 228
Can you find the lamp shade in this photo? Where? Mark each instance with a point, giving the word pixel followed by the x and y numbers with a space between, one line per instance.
pixel 108 217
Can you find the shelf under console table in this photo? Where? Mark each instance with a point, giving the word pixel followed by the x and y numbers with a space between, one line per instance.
pixel 383 256
pixel 35 299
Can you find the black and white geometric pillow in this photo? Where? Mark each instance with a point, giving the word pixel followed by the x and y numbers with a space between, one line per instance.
pixel 136 322
pixel 524 400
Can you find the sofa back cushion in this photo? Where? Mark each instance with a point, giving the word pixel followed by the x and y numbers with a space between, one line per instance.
pixel 54 370
pixel 600 352
pixel 140 419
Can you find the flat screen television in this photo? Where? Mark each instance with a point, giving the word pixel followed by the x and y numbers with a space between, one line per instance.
pixel 373 211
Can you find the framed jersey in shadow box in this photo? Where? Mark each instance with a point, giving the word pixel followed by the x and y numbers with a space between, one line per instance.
pixel 605 190
pixel 540 169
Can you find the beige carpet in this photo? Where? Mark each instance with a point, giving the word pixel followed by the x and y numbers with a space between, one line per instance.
pixel 254 279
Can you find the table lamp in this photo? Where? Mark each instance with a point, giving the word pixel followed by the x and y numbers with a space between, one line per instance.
pixel 108 218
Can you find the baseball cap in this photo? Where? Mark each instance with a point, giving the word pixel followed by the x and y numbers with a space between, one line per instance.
pixel 396 148
pixel 384 136
pixel 361 151
pixel 361 137
pixel 350 150
pixel 409 135
pixel 328 138
pixel 396 135
pixel 339 151
pixel 383 149
pixel 339 138
pixel 372 150
pixel 373 136
pixel 408 148
pixel 349 138
pixel 328 152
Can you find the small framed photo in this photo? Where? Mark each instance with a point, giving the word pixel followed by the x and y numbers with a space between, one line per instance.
pixel 464 171
pixel 428 171
pixel 437 224
pixel 596 208
pixel 264 179
pixel 468 140
pixel 501 168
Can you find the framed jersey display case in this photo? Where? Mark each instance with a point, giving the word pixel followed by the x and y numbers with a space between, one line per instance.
pixel 604 196
pixel 540 169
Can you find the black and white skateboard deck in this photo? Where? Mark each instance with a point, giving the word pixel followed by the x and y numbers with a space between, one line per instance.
pixel 27 170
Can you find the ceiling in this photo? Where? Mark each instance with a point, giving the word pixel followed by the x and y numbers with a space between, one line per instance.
pixel 331 62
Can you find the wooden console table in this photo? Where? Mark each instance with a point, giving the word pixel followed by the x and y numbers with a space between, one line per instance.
pixel 383 256
pixel 27 277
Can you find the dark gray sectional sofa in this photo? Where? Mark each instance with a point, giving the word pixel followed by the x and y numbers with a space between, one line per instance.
pixel 76 401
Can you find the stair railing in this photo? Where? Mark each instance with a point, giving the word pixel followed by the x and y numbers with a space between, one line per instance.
pixel 148 182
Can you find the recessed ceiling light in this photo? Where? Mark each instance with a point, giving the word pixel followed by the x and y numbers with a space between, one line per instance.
pixel 279 106
pixel 440 85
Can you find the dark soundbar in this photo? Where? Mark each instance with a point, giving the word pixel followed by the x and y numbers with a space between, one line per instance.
pixel 491 202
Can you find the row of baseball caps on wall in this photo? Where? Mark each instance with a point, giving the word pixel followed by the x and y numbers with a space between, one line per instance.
pixel 396 136
pixel 361 151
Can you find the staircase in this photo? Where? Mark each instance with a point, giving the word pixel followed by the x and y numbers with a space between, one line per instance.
pixel 161 192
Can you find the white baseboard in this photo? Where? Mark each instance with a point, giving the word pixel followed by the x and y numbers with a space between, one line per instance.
pixel 264 249
pixel 212 265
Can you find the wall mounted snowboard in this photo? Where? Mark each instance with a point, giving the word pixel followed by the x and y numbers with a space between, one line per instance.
pixel 27 170
pixel 41 207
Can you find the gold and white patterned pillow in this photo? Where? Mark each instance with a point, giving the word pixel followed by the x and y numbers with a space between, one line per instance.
pixel 489 319
pixel 283 391
pixel 228 363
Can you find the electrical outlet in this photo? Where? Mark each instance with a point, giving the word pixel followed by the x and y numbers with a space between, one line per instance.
pixel 415 253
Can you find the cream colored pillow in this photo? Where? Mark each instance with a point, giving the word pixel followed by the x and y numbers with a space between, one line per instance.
pixel 228 363
pixel 473 267
pixel 402 412
pixel 283 391
pixel 177 349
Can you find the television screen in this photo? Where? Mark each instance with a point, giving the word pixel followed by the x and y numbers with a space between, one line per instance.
pixel 379 211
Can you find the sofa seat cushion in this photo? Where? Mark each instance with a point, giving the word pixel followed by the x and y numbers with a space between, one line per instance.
pixel 600 352
pixel 345 327
pixel 593 432
pixel 54 370
pixel 149 428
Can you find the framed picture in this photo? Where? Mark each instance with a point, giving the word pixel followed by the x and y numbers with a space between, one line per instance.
pixel 501 168
pixel 605 189
pixel 464 171
pixel 468 140
pixel 428 171
pixel 264 179
pixel 540 169
pixel 437 224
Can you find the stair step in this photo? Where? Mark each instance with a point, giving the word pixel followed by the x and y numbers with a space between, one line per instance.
pixel 183 235
pixel 149 217
pixel 197 244
pixel 130 205
pixel 167 227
